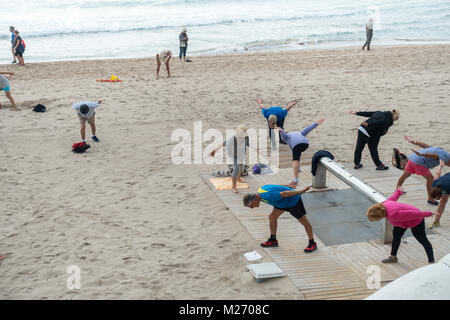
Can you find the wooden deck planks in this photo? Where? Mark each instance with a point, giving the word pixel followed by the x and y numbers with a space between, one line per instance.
pixel 339 271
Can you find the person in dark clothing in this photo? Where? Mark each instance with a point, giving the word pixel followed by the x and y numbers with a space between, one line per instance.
pixel 369 34
pixel 370 132
pixel 183 44
pixel 19 48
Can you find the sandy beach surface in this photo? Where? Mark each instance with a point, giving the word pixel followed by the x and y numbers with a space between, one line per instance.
pixel 141 227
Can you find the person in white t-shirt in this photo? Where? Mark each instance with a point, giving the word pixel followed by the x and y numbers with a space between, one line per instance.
pixel 369 34
pixel 164 56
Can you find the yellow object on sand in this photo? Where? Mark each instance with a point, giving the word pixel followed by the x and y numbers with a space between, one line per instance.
pixel 226 183
pixel 114 78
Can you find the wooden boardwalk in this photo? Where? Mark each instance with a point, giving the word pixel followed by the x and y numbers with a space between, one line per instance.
pixel 337 271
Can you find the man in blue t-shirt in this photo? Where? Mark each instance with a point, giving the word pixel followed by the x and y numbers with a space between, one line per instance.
pixel 440 191
pixel 13 37
pixel 275 116
pixel 282 198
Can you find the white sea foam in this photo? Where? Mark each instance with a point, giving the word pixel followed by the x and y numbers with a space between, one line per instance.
pixel 82 29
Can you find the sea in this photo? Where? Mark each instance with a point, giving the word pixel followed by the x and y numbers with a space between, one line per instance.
pixel 102 29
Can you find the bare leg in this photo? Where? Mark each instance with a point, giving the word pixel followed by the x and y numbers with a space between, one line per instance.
pixel 308 228
pixel 167 68
pixel 295 167
pixel 158 66
pixel 93 128
pixel 14 56
pixel 429 186
pixel 273 217
pixel 441 208
pixel 83 131
pixel 402 178
pixel 10 98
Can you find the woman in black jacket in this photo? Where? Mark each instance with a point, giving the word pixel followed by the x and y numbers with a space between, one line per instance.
pixel 370 132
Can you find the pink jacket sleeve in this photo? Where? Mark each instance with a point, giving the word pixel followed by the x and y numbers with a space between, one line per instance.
pixel 417 213
pixel 395 195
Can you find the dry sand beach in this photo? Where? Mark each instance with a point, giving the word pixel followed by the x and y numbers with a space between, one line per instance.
pixel 140 227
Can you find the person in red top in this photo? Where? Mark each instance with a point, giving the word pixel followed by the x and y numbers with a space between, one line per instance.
pixel 402 216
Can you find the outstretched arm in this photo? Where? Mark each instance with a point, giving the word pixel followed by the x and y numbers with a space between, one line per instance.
pixel 362 113
pixel 290 105
pixel 311 127
pixel 5 72
pixel 417 143
pixel 396 195
pixel 292 193
pixel 260 103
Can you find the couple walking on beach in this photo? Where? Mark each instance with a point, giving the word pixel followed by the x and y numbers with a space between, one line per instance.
pixel 17 46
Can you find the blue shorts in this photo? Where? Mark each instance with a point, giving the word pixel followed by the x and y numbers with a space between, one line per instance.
pixel 6 88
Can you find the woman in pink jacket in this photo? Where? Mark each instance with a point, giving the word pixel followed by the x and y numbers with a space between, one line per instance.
pixel 402 216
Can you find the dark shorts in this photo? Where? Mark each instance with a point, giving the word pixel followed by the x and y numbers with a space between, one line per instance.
pixel 296 211
pixel 298 149
pixel 18 54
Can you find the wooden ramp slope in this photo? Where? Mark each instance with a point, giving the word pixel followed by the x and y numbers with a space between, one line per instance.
pixel 338 271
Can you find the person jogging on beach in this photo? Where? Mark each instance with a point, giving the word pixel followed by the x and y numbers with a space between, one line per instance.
pixel 440 191
pixel 298 143
pixel 6 86
pixel 163 56
pixel 402 216
pixel 421 165
pixel 282 198
pixel 19 48
pixel 369 34
pixel 13 37
pixel 86 113
pixel 370 132
pixel 237 146
pixel 275 115
pixel 183 43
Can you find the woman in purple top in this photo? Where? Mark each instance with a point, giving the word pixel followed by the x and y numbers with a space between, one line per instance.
pixel 298 143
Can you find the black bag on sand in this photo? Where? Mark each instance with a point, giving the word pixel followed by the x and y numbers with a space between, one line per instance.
pixel 39 108
pixel 399 160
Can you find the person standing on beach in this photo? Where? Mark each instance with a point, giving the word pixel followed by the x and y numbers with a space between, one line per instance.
pixel 163 56
pixel 402 216
pixel 86 112
pixel 275 116
pixel 19 48
pixel 369 34
pixel 370 132
pixel 6 86
pixel 298 143
pixel 440 191
pixel 183 44
pixel 421 164
pixel 282 198
pixel 237 146
pixel 13 37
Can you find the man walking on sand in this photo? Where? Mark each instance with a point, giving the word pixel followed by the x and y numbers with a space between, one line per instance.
pixel 282 198
pixel 369 34
pixel 6 86
pixel 13 37
pixel 86 112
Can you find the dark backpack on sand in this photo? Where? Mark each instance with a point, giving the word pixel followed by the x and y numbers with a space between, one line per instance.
pixel 399 160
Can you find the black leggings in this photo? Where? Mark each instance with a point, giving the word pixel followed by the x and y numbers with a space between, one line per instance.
pixel 373 148
pixel 418 233
pixel 279 124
